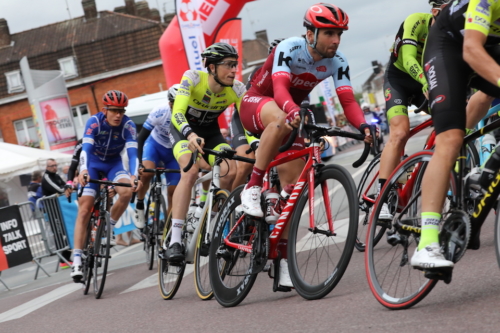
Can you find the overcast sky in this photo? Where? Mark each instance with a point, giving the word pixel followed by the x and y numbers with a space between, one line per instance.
pixel 372 24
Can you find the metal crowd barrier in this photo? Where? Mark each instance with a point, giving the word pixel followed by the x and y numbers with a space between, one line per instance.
pixel 38 239
pixel 52 225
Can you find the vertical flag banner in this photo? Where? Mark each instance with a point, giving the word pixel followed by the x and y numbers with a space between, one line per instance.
pixel 230 33
pixel 211 13
pixel 326 89
pixel 191 31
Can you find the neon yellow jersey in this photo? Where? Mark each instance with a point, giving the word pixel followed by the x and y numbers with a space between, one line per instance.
pixel 409 45
pixel 479 15
pixel 197 108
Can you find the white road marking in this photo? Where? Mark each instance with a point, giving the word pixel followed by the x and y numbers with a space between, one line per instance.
pixel 125 250
pixel 152 281
pixel 28 307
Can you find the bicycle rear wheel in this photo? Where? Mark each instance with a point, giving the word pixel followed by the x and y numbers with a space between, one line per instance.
pixel 149 232
pixel 169 276
pixel 101 254
pixel 317 261
pixel 369 178
pixel 201 275
pixel 230 269
pixel 392 280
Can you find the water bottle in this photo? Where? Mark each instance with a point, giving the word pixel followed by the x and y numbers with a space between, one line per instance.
pixel 190 217
pixel 488 144
pixel 272 199
pixel 490 168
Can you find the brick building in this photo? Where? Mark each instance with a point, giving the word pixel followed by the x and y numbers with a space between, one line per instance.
pixel 96 52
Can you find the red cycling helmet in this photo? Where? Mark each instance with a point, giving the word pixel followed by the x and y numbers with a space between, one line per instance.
pixel 115 98
pixel 325 15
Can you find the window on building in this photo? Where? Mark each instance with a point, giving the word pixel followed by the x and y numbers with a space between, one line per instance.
pixel 26 133
pixel 14 82
pixel 68 67
pixel 80 116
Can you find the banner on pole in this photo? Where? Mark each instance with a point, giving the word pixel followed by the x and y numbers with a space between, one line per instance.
pixel 191 31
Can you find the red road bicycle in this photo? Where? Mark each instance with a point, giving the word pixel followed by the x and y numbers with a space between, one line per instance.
pixel 367 191
pixel 322 223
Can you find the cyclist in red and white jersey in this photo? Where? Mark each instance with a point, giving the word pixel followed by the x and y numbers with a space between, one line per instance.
pixel 271 106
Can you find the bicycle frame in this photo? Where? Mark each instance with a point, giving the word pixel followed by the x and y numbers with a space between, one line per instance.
pixel 428 145
pixel 213 175
pixel 307 175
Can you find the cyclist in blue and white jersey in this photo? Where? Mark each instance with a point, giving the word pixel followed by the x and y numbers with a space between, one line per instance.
pixel 106 135
pixel 155 147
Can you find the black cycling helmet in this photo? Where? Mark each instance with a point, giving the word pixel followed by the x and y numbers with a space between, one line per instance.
pixel 217 52
pixel 172 92
pixel 438 3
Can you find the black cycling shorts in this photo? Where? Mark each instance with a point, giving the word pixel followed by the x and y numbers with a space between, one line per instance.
pixel 449 78
pixel 400 91
pixel 213 140
pixel 237 131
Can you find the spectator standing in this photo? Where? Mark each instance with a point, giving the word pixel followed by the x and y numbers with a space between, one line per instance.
pixel 34 188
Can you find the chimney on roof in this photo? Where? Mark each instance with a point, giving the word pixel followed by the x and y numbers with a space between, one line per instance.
pixel 155 15
pixel 4 33
pixel 167 18
pixel 90 9
pixel 120 9
pixel 262 35
pixel 130 7
pixel 143 9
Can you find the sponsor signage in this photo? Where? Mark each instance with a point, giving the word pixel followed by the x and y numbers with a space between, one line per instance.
pixel 14 249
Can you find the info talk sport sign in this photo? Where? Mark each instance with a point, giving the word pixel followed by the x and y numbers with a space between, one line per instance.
pixel 14 249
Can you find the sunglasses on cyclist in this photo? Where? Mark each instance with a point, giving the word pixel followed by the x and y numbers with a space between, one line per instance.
pixel 229 64
pixel 121 111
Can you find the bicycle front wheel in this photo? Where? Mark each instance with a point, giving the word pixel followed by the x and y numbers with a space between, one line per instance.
pixel 318 256
pixel 101 254
pixel 230 269
pixel 88 257
pixel 392 280
pixel 201 275
pixel 368 187
pixel 169 276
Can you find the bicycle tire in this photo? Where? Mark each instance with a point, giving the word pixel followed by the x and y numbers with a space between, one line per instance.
pixel 169 276
pixel 149 233
pixel 101 254
pixel 230 280
pixel 161 217
pixel 330 267
pixel 395 284
pixel 201 275
pixel 88 262
pixel 365 206
pixel 497 235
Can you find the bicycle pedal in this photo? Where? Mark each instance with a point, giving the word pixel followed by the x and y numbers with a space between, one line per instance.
pixel 283 289
pixel 443 274
pixel 204 249
pixel 78 280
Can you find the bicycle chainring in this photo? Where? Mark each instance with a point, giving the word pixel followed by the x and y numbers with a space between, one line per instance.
pixel 260 248
pixel 455 235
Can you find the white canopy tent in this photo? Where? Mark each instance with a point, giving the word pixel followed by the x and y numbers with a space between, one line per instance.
pixel 17 160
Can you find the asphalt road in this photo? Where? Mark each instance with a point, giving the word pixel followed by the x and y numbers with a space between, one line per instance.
pixel 131 300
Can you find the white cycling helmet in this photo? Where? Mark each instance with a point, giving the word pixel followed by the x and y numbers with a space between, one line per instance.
pixel 172 92
pixel 365 106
